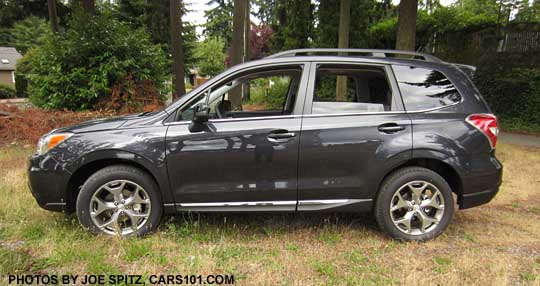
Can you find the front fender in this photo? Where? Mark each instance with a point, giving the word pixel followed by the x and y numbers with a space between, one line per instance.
pixel 143 147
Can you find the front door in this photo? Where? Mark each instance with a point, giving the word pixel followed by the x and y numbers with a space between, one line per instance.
pixel 354 129
pixel 246 158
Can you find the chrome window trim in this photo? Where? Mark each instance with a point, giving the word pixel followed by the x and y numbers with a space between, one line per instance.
pixel 316 115
pixel 380 113
pixel 239 119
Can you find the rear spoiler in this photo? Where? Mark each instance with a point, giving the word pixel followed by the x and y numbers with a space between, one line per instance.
pixel 467 69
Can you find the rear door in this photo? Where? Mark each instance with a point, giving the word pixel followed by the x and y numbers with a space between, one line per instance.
pixel 354 130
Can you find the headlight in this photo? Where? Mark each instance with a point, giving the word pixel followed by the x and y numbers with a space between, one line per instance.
pixel 48 142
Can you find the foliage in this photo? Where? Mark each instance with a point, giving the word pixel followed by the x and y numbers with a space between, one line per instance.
pixel 210 56
pixel 260 41
pixel 6 91
pixel 271 96
pixel 219 20
pixel 442 20
pixel 264 10
pixel 155 17
pixel 292 24
pixel 28 33
pixel 513 93
pixel 78 68
pixel 362 12
pixel 12 11
pixel 23 68
pixel 529 12
pixel 298 27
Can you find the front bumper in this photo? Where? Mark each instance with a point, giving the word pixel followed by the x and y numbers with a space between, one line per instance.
pixel 48 181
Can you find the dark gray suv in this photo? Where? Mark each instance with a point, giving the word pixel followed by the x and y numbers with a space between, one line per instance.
pixel 402 134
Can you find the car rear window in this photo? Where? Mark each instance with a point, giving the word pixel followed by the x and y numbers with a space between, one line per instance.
pixel 423 89
pixel 363 89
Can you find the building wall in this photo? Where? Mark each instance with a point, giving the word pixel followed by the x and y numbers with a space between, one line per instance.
pixel 6 78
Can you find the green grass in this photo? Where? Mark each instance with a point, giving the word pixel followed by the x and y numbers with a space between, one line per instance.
pixel 488 245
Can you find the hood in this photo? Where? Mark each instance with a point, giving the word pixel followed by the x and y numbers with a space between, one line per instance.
pixel 99 124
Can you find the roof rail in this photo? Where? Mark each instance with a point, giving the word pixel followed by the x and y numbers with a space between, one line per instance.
pixel 361 52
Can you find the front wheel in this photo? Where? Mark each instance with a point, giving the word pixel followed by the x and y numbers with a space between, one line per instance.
pixel 119 200
pixel 414 203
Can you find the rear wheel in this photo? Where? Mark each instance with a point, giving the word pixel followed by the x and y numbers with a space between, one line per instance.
pixel 119 200
pixel 414 203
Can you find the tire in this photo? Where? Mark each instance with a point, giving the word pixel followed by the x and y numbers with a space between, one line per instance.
pixel 414 217
pixel 123 199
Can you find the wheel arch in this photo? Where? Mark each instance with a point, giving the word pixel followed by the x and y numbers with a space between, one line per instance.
pixel 99 160
pixel 438 165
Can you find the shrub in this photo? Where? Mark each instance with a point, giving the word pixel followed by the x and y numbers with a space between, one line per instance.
pixel 30 32
pixel 6 91
pixel 511 90
pixel 210 56
pixel 80 67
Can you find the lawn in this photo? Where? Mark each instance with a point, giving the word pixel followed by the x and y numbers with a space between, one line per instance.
pixel 495 244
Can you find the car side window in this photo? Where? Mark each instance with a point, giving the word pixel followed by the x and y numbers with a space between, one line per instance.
pixel 259 93
pixel 423 89
pixel 351 89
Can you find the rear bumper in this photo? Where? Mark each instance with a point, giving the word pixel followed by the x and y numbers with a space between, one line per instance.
pixel 47 181
pixel 476 199
pixel 482 183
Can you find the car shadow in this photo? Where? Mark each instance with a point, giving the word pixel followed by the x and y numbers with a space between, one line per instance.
pixel 266 223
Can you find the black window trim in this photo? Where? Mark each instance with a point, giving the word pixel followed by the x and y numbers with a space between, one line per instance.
pixel 396 94
pixel 297 110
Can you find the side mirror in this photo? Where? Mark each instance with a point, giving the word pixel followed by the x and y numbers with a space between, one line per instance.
pixel 200 118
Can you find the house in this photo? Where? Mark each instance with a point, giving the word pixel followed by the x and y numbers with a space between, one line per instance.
pixel 8 60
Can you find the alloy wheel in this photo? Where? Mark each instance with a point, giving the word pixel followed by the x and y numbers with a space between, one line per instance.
pixel 417 207
pixel 120 207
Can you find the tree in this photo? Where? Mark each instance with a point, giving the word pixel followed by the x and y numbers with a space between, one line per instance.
pixel 210 56
pixel 53 16
pixel 365 13
pixel 28 33
pixel 177 49
pixel 155 17
pixel 219 20
pixel 406 33
pixel 298 28
pixel 89 6
pixel 237 47
pixel 264 10
pixel 247 32
pixel 343 43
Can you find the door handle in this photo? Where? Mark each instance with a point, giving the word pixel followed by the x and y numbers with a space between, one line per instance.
pixel 281 135
pixel 390 128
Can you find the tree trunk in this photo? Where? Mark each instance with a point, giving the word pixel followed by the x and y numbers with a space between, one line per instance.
pixel 343 43
pixel 237 48
pixel 247 32
pixel 89 6
pixel 247 45
pixel 53 16
pixel 177 50
pixel 406 33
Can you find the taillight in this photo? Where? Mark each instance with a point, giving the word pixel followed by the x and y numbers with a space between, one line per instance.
pixel 487 123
